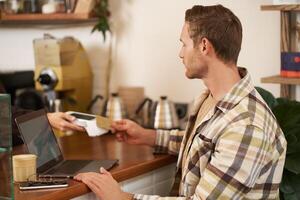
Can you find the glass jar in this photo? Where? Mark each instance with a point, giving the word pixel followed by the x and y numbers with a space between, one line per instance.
pixel 15 6
pixel 30 6
pixel 2 6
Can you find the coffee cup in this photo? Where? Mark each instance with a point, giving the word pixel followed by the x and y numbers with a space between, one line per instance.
pixel 24 167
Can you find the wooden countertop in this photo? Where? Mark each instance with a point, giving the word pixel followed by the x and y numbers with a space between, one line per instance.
pixel 134 160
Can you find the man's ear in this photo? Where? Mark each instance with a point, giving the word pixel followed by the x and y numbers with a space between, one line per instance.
pixel 205 45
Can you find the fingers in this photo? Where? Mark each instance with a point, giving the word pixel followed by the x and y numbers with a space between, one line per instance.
pixel 103 171
pixel 94 182
pixel 94 187
pixel 65 125
pixel 68 117
pixel 78 177
pixel 120 125
pixel 120 137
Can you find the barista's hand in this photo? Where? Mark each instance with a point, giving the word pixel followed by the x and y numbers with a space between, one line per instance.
pixel 63 121
pixel 103 185
pixel 132 133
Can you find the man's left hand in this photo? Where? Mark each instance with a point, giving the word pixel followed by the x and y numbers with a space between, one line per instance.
pixel 103 184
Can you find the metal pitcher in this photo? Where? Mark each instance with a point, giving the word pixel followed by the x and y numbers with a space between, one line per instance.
pixel 160 114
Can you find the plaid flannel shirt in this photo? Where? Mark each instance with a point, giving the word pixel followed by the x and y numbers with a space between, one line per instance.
pixel 237 152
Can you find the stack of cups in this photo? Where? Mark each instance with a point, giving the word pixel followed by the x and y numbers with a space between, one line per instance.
pixel 24 167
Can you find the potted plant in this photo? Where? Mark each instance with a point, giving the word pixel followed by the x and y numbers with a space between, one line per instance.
pixel 101 11
pixel 287 113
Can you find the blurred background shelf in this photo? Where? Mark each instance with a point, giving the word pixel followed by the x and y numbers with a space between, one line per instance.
pixel 57 18
pixel 288 41
pixel 281 80
pixel 285 7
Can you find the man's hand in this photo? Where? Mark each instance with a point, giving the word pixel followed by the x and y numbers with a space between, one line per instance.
pixel 103 185
pixel 132 133
pixel 63 121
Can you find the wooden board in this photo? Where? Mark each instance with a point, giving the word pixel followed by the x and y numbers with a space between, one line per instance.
pixel 46 18
pixel 284 7
pixel 281 80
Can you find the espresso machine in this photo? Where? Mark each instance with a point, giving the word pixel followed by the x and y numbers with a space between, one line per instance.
pixel 63 73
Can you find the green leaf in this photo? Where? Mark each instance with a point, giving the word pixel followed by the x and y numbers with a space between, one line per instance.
pixel 287 115
pixel 291 139
pixel 291 196
pixel 267 96
pixel 102 13
pixel 282 100
pixel 286 183
pixel 292 163
pixel 292 136
pixel 290 185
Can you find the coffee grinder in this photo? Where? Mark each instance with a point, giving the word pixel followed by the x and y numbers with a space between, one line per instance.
pixel 63 73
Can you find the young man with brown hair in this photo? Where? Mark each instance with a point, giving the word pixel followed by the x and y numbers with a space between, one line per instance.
pixel 232 147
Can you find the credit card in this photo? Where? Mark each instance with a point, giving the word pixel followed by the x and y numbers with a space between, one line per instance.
pixel 103 122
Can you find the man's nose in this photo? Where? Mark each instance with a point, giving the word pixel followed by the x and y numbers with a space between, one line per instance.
pixel 180 54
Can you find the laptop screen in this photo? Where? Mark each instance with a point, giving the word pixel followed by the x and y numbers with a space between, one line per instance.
pixel 39 137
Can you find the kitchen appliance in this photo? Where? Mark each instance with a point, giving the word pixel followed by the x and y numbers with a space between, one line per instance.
pixel 158 115
pixel 20 85
pixel 94 125
pixel 113 107
pixel 63 71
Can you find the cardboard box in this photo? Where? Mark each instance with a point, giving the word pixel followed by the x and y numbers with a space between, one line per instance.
pixel 84 6
pixel 290 64
pixel 132 97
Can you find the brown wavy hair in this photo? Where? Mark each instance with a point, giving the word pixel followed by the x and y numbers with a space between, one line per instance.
pixel 220 26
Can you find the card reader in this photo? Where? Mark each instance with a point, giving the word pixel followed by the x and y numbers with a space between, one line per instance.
pixel 89 122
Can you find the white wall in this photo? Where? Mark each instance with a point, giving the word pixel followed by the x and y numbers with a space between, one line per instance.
pixel 147 45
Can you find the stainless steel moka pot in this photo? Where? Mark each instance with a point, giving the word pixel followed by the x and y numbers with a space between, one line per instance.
pixel 159 115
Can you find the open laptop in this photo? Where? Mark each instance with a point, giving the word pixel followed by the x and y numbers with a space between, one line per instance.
pixel 40 140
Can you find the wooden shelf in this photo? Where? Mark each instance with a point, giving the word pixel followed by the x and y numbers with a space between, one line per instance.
pixel 281 80
pixel 287 33
pixel 57 18
pixel 283 7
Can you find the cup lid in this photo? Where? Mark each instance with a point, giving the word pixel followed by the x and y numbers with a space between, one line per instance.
pixel 24 160
pixel 24 156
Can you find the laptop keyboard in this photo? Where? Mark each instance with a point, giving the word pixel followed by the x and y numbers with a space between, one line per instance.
pixel 69 167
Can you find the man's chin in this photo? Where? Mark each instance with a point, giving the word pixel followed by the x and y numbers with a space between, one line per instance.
pixel 189 76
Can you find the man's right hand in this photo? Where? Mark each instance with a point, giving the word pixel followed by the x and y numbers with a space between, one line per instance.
pixel 132 133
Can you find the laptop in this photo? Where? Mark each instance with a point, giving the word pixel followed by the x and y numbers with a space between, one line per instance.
pixel 40 140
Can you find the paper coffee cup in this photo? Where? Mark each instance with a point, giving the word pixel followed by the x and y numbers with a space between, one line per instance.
pixel 24 167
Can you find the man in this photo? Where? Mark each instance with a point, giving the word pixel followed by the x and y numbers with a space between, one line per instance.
pixel 232 147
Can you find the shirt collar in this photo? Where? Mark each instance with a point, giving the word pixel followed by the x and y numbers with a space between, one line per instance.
pixel 240 90
pixel 198 102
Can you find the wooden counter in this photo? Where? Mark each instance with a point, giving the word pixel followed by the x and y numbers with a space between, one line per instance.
pixel 133 161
